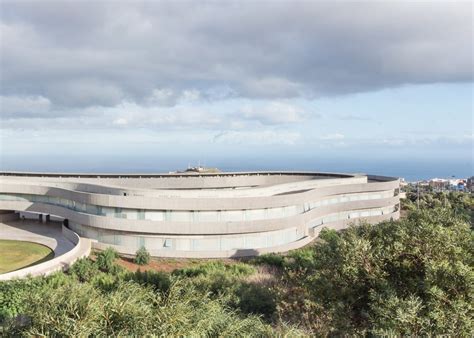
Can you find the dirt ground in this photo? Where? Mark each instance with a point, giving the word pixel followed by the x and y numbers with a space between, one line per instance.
pixel 166 264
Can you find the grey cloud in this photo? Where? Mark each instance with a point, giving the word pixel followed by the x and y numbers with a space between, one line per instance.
pixel 30 107
pixel 79 54
pixel 273 113
pixel 81 93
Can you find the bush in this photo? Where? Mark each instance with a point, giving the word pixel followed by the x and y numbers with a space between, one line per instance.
pixel 105 282
pixel 80 309
pixel 256 299
pixel 117 270
pixel 142 256
pixel 13 294
pixel 158 280
pixel 215 277
pixel 212 267
pixel 83 269
pixel 192 313
pixel 129 309
pixel 106 259
pixel 270 259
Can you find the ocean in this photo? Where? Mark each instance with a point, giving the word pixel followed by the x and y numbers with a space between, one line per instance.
pixel 409 169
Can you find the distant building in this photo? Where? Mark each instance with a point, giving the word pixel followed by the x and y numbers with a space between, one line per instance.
pixel 438 183
pixel 459 185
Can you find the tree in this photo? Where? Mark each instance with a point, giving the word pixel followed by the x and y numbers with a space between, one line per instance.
pixel 408 277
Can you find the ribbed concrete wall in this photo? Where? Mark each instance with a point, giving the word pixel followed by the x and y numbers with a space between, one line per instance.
pixel 203 215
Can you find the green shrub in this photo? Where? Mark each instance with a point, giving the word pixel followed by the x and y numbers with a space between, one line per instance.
pixel 106 259
pixel 13 294
pixel 212 267
pixel 118 271
pixel 80 309
pixel 11 300
pixel 142 256
pixel 83 269
pixel 57 279
pixel 270 259
pixel 256 299
pixel 105 282
pixel 158 280
pixel 215 277
pixel 129 309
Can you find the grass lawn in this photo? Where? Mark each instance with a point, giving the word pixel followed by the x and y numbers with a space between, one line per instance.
pixel 15 255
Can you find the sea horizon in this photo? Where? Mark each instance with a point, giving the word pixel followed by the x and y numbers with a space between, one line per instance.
pixel 410 170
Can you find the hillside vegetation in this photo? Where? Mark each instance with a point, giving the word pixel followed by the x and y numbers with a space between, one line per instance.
pixel 409 277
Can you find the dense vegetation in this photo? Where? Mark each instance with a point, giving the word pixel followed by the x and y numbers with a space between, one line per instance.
pixel 409 277
pixel 461 203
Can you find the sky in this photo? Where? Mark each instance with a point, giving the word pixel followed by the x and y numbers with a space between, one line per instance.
pixel 380 86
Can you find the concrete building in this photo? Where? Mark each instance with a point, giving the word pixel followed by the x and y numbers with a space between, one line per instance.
pixel 438 184
pixel 202 214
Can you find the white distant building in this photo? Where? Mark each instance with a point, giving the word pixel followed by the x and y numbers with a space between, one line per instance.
pixel 438 183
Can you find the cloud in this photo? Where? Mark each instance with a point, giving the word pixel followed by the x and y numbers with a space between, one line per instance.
pixel 181 117
pixel 263 137
pixel 272 113
pixel 24 106
pixel 162 97
pixel 80 93
pixel 120 121
pixel 86 54
pixel 168 97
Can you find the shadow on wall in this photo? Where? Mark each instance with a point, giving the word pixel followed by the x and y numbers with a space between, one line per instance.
pixel 245 253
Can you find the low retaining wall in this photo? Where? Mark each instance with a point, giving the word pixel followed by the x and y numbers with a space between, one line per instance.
pixel 209 254
pixel 63 262
pixel 70 235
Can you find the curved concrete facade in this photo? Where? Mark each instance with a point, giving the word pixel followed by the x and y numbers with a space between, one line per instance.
pixel 203 215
